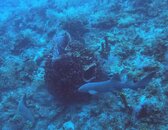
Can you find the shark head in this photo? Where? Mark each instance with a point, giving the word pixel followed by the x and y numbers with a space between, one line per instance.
pixel 87 88
pixel 83 88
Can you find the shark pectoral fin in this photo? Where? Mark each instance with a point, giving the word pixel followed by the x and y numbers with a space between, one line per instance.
pixel 92 92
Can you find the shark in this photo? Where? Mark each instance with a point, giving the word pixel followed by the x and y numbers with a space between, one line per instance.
pixel 114 84
pixel 24 112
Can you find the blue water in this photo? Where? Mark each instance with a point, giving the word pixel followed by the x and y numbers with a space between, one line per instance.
pixel 83 65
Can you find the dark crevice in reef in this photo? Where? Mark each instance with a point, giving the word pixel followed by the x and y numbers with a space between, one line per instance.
pixel 21 45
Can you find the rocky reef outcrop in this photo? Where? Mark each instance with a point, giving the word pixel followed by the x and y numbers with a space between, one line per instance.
pixel 66 74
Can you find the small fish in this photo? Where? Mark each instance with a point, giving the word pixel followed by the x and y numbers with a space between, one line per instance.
pixel 24 111
pixel 114 84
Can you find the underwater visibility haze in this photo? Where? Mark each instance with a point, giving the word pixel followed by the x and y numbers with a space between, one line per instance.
pixel 83 64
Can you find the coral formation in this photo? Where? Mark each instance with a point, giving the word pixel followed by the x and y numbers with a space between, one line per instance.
pixel 76 28
pixel 65 75
pixel 63 78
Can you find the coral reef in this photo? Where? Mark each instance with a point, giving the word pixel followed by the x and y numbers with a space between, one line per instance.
pixel 76 28
pixel 65 75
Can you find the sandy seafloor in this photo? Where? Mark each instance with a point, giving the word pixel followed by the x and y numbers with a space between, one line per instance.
pixel 137 36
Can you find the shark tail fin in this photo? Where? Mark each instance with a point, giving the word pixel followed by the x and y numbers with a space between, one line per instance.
pixel 145 81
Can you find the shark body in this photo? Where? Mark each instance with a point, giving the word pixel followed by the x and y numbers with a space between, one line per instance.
pixel 111 85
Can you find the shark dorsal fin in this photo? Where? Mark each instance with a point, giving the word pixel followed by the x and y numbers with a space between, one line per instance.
pixel 122 77
pixel 116 77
